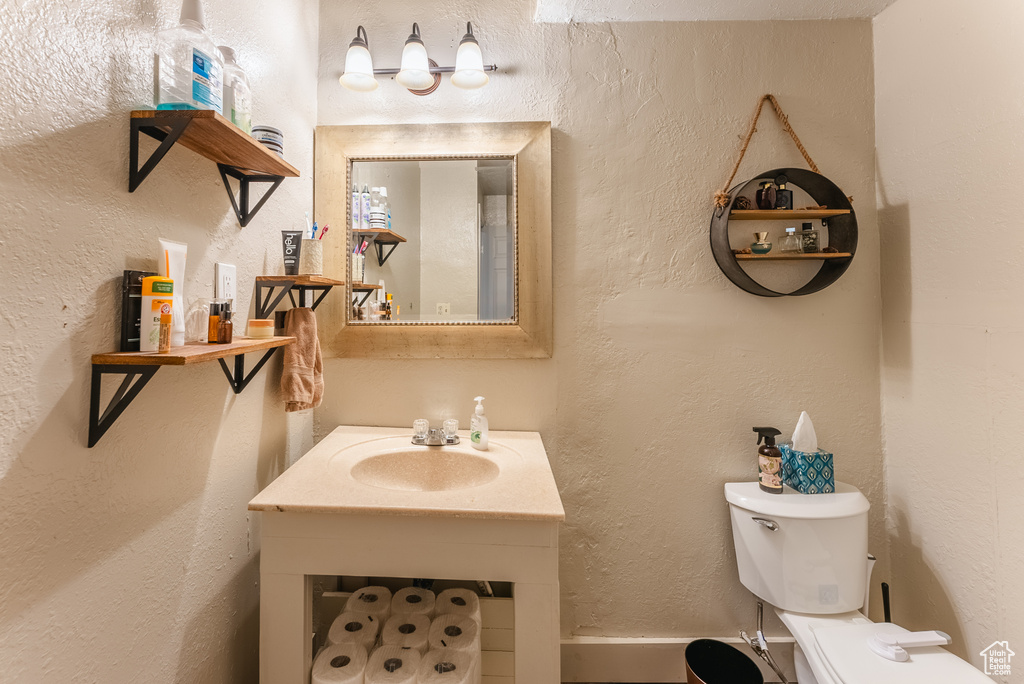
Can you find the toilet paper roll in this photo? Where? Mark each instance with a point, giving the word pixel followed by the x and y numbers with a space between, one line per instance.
pixel 407 631
pixel 458 632
pixel 354 628
pixel 375 601
pixel 393 665
pixel 445 666
pixel 458 602
pixel 340 664
pixel 413 600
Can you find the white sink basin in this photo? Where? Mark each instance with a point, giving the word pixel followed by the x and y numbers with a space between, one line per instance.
pixel 426 469
pixel 363 470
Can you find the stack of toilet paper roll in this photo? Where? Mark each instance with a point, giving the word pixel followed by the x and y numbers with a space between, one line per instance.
pixel 340 664
pixel 375 601
pixel 407 631
pixel 447 666
pixel 413 601
pixel 393 665
pixel 423 639
pixel 354 628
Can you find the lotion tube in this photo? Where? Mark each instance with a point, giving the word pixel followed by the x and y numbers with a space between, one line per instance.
pixel 172 265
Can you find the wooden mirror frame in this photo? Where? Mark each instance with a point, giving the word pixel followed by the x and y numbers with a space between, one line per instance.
pixel 529 335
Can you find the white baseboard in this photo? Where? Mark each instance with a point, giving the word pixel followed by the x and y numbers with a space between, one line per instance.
pixel 620 659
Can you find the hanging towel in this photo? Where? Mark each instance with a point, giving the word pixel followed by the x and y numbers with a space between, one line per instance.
pixel 302 379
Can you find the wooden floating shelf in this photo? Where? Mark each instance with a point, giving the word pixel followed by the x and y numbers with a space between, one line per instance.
pixel 212 136
pixel 192 352
pixel 793 257
pixel 302 280
pixel 388 237
pixel 783 214
pixel 364 287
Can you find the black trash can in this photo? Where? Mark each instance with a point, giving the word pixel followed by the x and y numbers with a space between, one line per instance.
pixel 713 662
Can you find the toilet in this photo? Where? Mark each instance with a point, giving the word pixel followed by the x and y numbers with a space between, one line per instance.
pixel 806 555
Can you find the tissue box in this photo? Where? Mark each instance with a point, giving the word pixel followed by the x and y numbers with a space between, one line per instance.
pixel 807 472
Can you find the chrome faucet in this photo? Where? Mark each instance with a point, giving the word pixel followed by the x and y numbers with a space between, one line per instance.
pixel 433 436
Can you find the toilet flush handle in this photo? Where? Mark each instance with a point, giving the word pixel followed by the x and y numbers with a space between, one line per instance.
pixel 765 522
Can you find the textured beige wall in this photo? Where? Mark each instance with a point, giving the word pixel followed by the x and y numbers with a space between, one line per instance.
pixel 135 560
pixel 949 100
pixel 661 366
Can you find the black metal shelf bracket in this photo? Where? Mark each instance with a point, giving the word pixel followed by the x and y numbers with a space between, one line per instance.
pixel 241 206
pixel 135 379
pixel 362 301
pixel 266 303
pixel 381 256
pixel 239 380
pixel 150 126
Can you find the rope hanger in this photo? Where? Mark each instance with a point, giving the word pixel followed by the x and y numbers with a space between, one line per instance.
pixel 722 196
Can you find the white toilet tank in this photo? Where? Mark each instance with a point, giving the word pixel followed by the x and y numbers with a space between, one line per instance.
pixel 801 552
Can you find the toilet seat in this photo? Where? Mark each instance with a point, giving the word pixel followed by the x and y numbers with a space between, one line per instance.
pixel 836 648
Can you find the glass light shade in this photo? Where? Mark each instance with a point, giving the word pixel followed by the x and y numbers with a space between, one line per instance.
pixel 415 73
pixel 469 67
pixel 358 70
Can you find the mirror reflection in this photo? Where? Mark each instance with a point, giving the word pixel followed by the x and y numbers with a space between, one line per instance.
pixel 436 236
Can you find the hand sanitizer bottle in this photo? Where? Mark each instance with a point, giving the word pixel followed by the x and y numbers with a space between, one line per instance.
pixel 188 66
pixel 237 99
pixel 478 426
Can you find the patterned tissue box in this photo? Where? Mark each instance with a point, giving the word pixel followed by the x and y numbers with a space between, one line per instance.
pixel 807 472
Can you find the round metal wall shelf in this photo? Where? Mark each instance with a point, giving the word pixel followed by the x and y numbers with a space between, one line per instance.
pixel 842 233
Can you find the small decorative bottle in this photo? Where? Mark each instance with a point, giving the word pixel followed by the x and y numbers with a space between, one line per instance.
pixel 765 197
pixel 783 197
pixel 761 244
pixel 224 326
pixel 790 244
pixel 809 240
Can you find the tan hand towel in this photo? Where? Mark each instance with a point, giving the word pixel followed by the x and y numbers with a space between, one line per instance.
pixel 302 380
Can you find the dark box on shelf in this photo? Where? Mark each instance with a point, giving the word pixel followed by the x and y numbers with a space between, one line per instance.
pixel 131 308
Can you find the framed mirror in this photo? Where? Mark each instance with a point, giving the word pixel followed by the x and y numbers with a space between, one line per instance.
pixel 447 239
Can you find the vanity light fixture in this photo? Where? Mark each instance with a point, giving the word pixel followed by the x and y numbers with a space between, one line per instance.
pixel 418 74
pixel 359 65
pixel 415 73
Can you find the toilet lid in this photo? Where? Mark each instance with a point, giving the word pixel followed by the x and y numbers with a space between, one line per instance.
pixel 846 653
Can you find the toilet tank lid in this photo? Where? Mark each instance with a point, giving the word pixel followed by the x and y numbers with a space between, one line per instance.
pixel 847 501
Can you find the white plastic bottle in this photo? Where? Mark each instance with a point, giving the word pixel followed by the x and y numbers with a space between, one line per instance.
pixel 364 213
pixel 356 202
pixel 478 426
pixel 188 66
pixel 386 204
pixel 237 93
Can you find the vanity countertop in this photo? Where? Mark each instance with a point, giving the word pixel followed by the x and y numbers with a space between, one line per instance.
pixel 321 481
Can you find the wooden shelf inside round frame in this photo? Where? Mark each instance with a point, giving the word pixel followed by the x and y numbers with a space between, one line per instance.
pixel 842 234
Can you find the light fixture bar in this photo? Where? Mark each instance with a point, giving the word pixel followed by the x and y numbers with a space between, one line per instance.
pixel 433 70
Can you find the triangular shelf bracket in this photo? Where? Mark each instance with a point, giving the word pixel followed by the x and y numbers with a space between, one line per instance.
pixel 241 206
pixel 239 380
pixel 151 126
pixel 129 389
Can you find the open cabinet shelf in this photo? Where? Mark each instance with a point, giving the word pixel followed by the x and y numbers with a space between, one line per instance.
pixel 794 257
pixel 266 303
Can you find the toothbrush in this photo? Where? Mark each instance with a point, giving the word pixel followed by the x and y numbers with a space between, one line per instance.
pixel 309 227
pixel 312 235
pixel 323 232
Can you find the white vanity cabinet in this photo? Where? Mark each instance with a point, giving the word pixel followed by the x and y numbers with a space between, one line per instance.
pixel 320 520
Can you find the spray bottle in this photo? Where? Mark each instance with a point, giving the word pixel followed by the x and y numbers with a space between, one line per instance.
pixel 769 460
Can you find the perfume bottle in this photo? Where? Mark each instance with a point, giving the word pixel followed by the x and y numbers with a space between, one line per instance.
pixel 790 244
pixel 765 197
pixel 761 244
pixel 809 240
pixel 783 197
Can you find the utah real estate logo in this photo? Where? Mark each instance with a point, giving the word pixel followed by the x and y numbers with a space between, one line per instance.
pixel 997 658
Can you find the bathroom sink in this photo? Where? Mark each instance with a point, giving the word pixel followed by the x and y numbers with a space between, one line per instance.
pixel 425 469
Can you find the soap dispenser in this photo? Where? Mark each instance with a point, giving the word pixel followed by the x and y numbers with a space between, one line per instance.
pixel 769 460
pixel 478 426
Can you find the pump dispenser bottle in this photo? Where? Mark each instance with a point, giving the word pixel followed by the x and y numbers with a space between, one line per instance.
pixel 478 426
pixel 769 460
pixel 188 67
